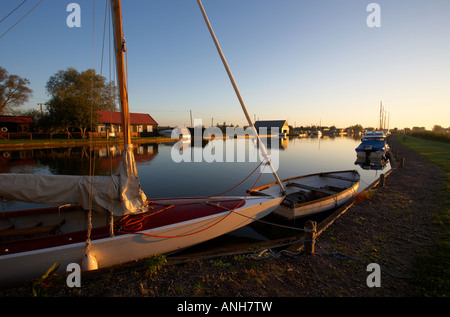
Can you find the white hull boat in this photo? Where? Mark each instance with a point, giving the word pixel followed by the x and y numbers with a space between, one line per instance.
pixel 312 194
pixel 104 221
pixel 47 236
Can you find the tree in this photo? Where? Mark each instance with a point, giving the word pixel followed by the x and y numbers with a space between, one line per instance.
pixel 356 128
pixel 13 91
pixel 75 98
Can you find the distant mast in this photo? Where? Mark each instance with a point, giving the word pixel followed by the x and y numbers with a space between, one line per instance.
pixel 381 115
pixel 120 49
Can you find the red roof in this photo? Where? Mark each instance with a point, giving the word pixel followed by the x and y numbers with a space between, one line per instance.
pixel 115 118
pixel 16 119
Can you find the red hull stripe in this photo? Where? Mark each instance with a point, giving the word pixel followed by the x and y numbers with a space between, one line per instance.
pixel 167 216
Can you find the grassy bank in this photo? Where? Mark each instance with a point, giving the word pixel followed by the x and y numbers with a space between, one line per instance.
pixel 431 135
pixel 432 271
pixel 20 143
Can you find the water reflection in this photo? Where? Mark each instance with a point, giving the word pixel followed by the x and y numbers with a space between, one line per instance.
pixel 72 160
pixel 371 163
pixel 161 176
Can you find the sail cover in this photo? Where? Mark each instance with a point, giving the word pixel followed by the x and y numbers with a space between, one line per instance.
pixel 121 194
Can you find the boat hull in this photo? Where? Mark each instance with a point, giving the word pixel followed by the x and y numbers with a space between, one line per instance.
pixel 327 196
pixel 371 154
pixel 375 148
pixel 116 250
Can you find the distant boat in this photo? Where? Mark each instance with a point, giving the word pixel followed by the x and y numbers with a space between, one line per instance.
pixel 177 133
pixel 373 144
pixel 312 194
pixel 374 135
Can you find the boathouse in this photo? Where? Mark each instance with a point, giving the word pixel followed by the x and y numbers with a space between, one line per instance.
pixel 142 124
pixel 16 124
pixel 282 126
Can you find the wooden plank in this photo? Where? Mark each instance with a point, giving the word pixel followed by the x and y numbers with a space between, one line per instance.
pixel 321 190
pixel 256 193
pixel 27 231
pixel 339 177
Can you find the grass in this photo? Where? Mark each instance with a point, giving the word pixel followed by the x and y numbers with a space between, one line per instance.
pixel 432 135
pixel 21 142
pixel 431 272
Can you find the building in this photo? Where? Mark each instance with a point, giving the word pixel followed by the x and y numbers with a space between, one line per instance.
pixel 282 126
pixel 141 124
pixel 16 124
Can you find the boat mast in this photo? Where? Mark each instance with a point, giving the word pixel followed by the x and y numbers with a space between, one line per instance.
pixel 238 94
pixel 120 50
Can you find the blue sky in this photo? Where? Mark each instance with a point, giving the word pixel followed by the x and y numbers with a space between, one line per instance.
pixel 306 61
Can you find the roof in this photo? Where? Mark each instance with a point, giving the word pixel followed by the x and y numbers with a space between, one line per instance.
pixel 270 124
pixel 16 119
pixel 116 118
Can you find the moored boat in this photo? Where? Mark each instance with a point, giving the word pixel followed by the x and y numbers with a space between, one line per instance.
pixel 373 145
pixel 101 221
pixel 312 194
pixel 36 239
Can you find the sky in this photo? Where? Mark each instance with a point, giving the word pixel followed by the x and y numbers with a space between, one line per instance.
pixel 309 62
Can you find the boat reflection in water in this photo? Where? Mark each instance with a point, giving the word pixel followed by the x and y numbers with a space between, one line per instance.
pixel 371 163
pixel 72 160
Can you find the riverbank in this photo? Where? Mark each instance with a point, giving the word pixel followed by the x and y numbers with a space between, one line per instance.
pixel 392 226
pixel 57 143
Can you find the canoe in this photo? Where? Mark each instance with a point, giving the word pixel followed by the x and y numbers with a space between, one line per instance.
pixel 312 194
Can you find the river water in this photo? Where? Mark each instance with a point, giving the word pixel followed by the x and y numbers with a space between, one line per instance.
pixel 202 168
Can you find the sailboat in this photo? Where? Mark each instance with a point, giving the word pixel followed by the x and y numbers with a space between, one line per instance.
pixel 103 221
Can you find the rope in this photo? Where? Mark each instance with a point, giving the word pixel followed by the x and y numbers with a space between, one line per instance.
pixel 266 253
pixel 271 223
pixel 13 11
pixel 104 33
pixel 20 19
pixel 233 186
pixel 91 165
pixel 338 255
pixel 135 226
pixel 134 222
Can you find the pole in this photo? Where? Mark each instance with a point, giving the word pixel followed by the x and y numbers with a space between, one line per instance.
pixel 381 110
pixel 238 94
pixel 120 49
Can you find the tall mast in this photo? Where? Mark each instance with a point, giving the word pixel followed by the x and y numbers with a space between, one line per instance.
pixel 120 50
pixel 238 94
pixel 381 115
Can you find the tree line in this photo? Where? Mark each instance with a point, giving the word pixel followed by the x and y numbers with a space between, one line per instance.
pixel 74 99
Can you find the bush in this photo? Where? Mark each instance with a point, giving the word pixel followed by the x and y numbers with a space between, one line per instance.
pixel 432 135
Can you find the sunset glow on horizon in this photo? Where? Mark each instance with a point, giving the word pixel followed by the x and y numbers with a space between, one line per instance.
pixel 308 62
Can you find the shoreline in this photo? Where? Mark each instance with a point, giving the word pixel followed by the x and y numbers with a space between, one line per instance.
pixel 390 225
pixel 62 143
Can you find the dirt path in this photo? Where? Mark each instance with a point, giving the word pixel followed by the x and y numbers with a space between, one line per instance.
pixel 390 227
